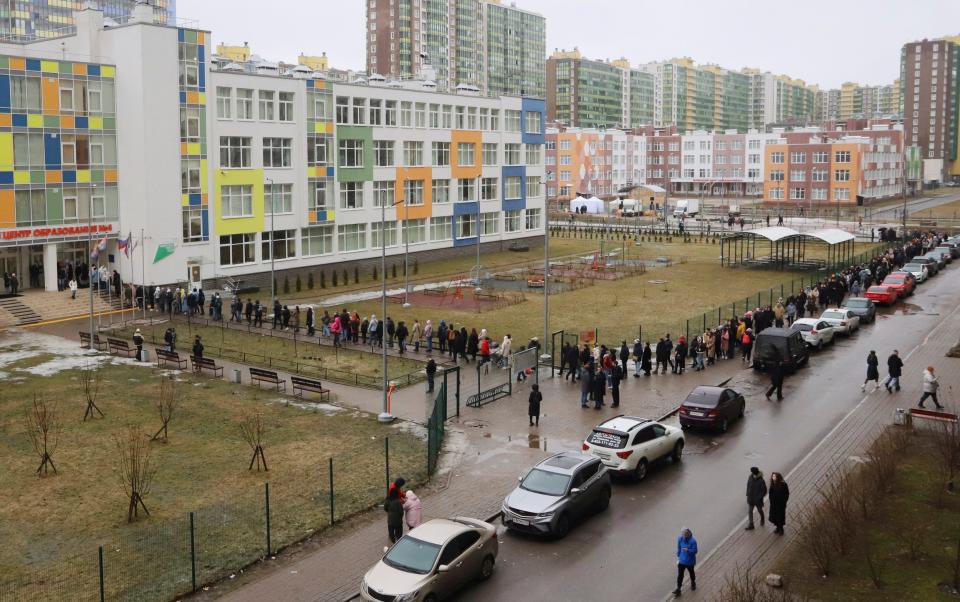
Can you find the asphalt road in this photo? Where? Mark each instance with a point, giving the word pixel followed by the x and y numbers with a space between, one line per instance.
pixel 913 206
pixel 627 553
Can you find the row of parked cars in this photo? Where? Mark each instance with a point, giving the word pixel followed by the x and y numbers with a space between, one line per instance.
pixel 902 283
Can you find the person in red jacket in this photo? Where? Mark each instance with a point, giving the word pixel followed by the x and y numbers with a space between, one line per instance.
pixel 747 344
pixel 485 353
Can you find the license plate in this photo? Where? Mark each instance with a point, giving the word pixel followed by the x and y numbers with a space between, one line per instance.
pixel 521 522
pixel 699 414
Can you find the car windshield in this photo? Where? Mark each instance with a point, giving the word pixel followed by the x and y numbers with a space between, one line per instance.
pixel 803 327
pixel 834 315
pixel 913 267
pixel 858 303
pixel 547 483
pixel 412 555
pixel 894 279
pixel 703 398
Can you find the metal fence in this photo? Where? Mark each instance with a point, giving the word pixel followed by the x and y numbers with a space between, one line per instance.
pixel 435 429
pixel 163 559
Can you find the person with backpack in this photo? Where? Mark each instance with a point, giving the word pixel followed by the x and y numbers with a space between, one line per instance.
pixel 746 343
pixel 393 506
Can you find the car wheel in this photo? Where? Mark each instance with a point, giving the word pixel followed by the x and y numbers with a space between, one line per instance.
pixel 603 502
pixel 562 527
pixel 640 472
pixel 677 454
pixel 819 344
pixel 684 426
pixel 743 408
pixel 486 569
pixel 723 425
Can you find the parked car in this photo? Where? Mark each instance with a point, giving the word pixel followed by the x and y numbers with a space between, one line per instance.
pixel 814 331
pixel 628 445
pixel 843 320
pixel 953 249
pixel 937 256
pixel 919 271
pixel 556 491
pixel 433 561
pixel 713 407
pixel 900 283
pixel 864 308
pixel 779 344
pixel 932 265
pixel 882 295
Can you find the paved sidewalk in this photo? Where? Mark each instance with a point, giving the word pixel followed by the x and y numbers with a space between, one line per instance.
pixel 759 551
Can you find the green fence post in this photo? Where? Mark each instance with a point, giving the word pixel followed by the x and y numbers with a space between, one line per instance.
pixel 704 322
pixel 331 491
pixel 100 562
pixel 266 495
pixel 781 289
pixel 193 556
pixel 688 329
pixel 386 455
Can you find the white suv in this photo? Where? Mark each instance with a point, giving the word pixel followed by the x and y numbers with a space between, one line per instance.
pixel 843 320
pixel 628 445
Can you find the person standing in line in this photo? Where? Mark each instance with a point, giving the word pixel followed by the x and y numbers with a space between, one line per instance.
pixel 776 380
pixel 616 375
pixel 295 318
pixel 533 405
pixel 686 559
pixel 599 389
pixel 197 348
pixel 73 288
pixel 778 493
pixel 412 510
pixel 894 370
pixel 586 383
pixel 645 359
pixel 138 342
pixel 394 509
pixel 660 357
pixel 258 314
pixel 504 352
pixel 747 344
pixel 756 491
pixel 310 329
pixel 624 355
pixel 416 333
pixel 930 385
pixel 431 371
pixel 637 358
pixel 402 333
pixel 277 310
pixel 873 372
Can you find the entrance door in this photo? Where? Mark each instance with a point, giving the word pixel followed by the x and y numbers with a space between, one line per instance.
pixel 193 277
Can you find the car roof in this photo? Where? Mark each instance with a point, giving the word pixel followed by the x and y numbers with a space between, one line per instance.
pixel 857 299
pixel 565 462
pixel 439 530
pixel 706 392
pixel 807 321
pixel 878 288
pixel 624 424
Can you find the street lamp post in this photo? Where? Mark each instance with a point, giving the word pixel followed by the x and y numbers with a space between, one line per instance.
pixel 406 261
pixel 546 287
pixel 385 415
pixel 90 264
pixel 273 233
pixel 478 287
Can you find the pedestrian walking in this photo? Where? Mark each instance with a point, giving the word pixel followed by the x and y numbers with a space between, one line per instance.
pixel 533 405
pixel 599 389
pixel 73 288
pixel 778 493
pixel 138 342
pixel 412 510
pixel 930 385
pixel 776 379
pixel 894 370
pixel 873 372
pixel 394 509
pixel 637 358
pixel 586 382
pixel 756 491
pixel 431 371
pixel 686 559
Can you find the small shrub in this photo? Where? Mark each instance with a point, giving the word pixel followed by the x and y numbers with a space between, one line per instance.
pixel 393 270
pixel 298 285
pixel 310 281
pixel 416 267
pixel 376 275
pixel 346 278
pixel 334 278
pixel 286 285
pixel 323 280
pixel 356 274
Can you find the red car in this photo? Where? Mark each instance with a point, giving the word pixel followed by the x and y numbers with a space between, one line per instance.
pixel 882 295
pixel 901 283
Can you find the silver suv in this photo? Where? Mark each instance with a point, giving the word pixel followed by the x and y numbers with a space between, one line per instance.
pixel 556 491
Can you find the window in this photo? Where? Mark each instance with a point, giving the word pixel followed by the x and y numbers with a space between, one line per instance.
pixel 461 119
pixel 797 157
pixel 389 238
pixel 533 186
pixel 511 121
pixel 189 176
pixel 244 104
pixel 441 154
pixel 776 157
pixel 280 244
pixel 70 212
pixel 383 193
pixel 317 240
pixel 489 153
pixel 532 122
pixel 66 95
pixel 317 199
pixel 320 107
pixel 841 175
pixel 31 207
pixel 513 187
pixel 565 145
pixel 798 175
pixel 343 109
pixel 390 113
pixel 488 189
pixel 234 152
pixel 466 154
pixel 278 198
pixel 25 93
pixel 420 114
pixel 383 153
pixel 753 159
pixel 441 228
pixel 533 219
pixel 224 102
pixel 359 111
pixel 512 154
pixel 490 223
pixel 351 153
pixel 351 195
pixel 277 152
pixel 236 201
pixel 821 157
pixel 68 150
pixel 565 174
pixel 511 221
pixel 413 192
pixel 435 116
pixel 776 175
pixel 285 106
pixel 818 194
pixel 406 114
pixel 798 194
pixel 467 225
pixel 441 191
pixel 28 150
pixel 189 123
pixel 819 175
pixel 413 154
pixel 533 154
pixel 266 105
pixel 414 231
pixel 318 148
pixel 237 249
pixel 467 190
pixel 776 193
pixel 351 237
pixel 841 156
pixel 494 120
pixel 841 194
pixel 95 98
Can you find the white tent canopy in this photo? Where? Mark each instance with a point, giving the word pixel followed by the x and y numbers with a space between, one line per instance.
pixel 592 204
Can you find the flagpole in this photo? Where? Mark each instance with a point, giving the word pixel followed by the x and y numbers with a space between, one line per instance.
pixel 89 265
pixel 143 272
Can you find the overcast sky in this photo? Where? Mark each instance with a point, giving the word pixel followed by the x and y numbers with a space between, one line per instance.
pixel 826 42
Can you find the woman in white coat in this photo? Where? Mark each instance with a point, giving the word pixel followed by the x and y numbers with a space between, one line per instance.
pixel 412 510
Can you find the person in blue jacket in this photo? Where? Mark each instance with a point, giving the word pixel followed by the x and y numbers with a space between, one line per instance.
pixel 686 559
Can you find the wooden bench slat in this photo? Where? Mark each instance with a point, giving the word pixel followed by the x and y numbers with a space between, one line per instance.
pixel 164 356
pixel 258 375
pixel 205 363
pixel 308 384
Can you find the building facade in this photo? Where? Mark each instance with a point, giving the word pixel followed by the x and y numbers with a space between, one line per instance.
pixel 499 49
pixel 928 79
pixel 276 167
pixel 24 20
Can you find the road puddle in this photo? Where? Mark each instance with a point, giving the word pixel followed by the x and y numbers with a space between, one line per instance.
pixel 533 441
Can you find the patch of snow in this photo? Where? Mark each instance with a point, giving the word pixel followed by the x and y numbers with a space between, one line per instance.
pixel 326 408
pixel 417 430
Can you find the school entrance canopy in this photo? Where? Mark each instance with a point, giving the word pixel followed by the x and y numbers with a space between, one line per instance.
pixel 786 249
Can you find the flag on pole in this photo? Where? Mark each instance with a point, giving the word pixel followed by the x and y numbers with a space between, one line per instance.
pixel 100 246
pixel 123 244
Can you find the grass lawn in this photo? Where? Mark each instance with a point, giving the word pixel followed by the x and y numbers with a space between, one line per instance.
pixel 350 365
pixel 51 526
pixel 945 211
pixel 909 510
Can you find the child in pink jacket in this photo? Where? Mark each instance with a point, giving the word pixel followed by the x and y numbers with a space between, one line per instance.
pixel 412 509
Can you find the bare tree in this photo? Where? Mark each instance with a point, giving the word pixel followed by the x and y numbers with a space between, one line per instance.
pixel 167 401
pixel 876 562
pixel 946 445
pixel 815 539
pixel 839 505
pixel 954 565
pixel 135 468
pixel 91 379
pixel 43 427
pixel 252 428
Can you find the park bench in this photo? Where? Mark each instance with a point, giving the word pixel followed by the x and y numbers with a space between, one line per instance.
pixel 119 346
pixel 171 357
pixel 308 384
pixel 933 415
pixel 488 396
pixel 267 376
pixel 85 341
pixel 487 296
pixel 204 363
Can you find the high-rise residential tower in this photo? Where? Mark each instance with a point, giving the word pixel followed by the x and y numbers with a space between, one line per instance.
pixel 929 101
pixel 25 20
pixel 500 49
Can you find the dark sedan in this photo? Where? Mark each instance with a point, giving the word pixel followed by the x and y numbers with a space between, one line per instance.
pixel 713 407
pixel 862 307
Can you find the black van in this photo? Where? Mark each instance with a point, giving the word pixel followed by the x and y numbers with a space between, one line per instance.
pixel 782 344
